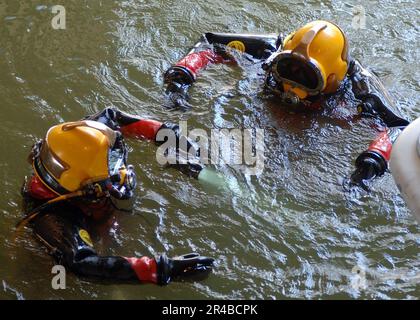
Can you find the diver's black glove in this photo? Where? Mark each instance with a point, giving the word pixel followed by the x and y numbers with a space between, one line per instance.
pixel 185 153
pixel 189 266
pixel 178 80
pixel 178 100
pixel 368 166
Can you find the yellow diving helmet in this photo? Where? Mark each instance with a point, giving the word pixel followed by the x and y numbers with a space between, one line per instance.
pixel 76 155
pixel 313 60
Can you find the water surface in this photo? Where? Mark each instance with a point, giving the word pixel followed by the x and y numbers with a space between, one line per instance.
pixel 289 233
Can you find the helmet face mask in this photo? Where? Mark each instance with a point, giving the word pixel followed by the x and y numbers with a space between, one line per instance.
pixel 312 60
pixel 296 71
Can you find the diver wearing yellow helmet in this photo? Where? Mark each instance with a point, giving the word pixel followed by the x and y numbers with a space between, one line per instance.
pixel 309 69
pixel 80 171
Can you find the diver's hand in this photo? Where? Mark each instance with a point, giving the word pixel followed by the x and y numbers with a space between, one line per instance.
pixel 178 80
pixel 189 266
pixel 369 165
pixel 361 177
pixel 179 100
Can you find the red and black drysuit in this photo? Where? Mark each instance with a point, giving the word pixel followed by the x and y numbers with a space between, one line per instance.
pixel 365 86
pixel 64 227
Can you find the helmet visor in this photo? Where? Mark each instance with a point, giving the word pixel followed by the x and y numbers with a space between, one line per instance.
pixel 52 163
pixel 298 72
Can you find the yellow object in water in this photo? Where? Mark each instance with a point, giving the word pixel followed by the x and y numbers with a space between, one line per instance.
pixel 313 60
pixel 74 153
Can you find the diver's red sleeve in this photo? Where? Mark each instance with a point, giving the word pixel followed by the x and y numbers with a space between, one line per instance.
pixel 145 129
pixel 185 71
pixel 373 162
pixel 145 269
pixel 194 62
pixel 382 145
pixel 129 125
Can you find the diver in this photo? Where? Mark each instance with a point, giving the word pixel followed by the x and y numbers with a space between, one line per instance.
pixel 306 72
pixel 80 174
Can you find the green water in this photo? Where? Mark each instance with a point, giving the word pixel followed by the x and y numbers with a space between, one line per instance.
pixel 289 233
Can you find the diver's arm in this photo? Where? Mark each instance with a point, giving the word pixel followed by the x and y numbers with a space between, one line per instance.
pixel 373 162
pixel 209 50
pixel 131 126
pixel 375 99
pixel 71 246
pixel 187 152
pixel 375 102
